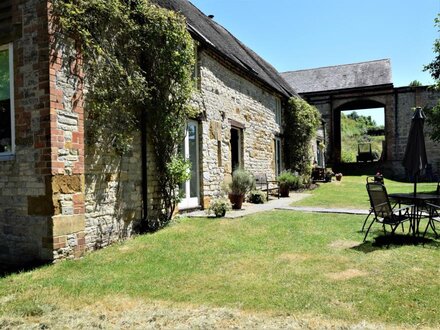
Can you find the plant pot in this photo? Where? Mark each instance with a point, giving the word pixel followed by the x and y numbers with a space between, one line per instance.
pixel 220 213
pixel 338 178
pixel 284 191
pixel 236 201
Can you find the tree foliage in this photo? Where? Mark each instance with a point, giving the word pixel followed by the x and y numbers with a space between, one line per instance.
pixel 301 122
pixel 433 114
pixel 138 60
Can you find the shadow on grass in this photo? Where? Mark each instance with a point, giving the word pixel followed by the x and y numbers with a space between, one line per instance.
pixel 6 270
pixel 395 241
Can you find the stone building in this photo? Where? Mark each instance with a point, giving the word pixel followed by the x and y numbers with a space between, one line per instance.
pixel 366 85
pixel 60 196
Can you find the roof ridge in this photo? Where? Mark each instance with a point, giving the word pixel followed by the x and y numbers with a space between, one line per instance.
pixel 339 65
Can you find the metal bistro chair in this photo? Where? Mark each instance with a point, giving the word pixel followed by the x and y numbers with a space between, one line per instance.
pixel 383 212
pixel 434 216
pixel 378 179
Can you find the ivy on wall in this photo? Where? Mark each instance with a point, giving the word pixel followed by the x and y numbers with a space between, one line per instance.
pixel 301 122
pixel 138 61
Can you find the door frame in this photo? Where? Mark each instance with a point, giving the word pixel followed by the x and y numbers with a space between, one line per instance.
pixel 191 202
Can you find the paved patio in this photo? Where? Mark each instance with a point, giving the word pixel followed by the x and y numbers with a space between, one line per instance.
pixel 278 204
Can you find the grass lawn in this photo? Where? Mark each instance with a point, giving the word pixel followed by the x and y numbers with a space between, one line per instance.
pixel 302 264
pixel 351 192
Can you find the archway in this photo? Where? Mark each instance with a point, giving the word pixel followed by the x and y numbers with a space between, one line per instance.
pixel 369 138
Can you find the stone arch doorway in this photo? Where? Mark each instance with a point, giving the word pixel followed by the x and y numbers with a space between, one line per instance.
pixel 354 105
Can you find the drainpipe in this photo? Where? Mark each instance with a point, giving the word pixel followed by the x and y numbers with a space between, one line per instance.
pixel 144 221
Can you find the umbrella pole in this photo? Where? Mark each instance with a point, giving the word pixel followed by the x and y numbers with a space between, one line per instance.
pixel 416 207
pixel 415 183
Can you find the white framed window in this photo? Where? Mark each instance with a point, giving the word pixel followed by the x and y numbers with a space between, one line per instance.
pixel 7 118
pixel 277 110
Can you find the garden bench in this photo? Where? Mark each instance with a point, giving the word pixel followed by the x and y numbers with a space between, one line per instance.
pixel 267 186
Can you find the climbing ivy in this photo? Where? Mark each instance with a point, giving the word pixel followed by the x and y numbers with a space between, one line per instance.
pixel 301 122
pixel 137 62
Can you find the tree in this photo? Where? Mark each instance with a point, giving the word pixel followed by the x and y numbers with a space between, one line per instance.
pixel 415 83
pixel 433 114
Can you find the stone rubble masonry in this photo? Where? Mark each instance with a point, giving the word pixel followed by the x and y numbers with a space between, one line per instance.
pixel 60 197
pixel 227 96
pixel 25 210
pixel 113 195
pixel 42 187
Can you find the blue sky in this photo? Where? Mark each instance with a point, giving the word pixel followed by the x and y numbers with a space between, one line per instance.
pixel 303 34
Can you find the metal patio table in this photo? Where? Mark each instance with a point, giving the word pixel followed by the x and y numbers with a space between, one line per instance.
pixel 418 201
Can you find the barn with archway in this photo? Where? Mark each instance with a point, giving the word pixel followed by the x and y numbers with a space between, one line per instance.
pixel 366 85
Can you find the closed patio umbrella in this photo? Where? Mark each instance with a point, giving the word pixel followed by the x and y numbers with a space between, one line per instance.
pixel 415 159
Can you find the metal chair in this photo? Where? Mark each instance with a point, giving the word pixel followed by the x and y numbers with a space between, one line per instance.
pixel 378 179
pixel 434 216
pixel 383 212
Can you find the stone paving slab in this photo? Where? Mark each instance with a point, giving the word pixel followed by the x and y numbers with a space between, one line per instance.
pixel 249 208
pixel 324 210
pixel 277 204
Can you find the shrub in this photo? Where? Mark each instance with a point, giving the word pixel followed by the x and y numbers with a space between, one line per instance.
pixel 242 182
pixel 257 197
pixel 219 206
pixel 301 122
pixel 287 178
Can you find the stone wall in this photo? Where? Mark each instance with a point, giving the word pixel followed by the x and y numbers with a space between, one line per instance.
pixel 25 200
pixel 407 99
pixel 226 99
pixel 113 194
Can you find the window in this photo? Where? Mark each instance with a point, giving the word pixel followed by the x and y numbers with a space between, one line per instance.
pixel 278 111
pixel 7 133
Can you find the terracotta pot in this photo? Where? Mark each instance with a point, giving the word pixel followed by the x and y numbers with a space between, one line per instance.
pixel 284 191
pixel 236 201
pixel 338 178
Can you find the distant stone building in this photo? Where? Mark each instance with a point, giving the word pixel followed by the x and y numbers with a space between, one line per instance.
pixel 361 86
pixel 60 196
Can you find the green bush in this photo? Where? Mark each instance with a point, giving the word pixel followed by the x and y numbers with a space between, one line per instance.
pixel 242 182
pixel 257 197
pixel 287 178
pixel 301 122
pixel 219 206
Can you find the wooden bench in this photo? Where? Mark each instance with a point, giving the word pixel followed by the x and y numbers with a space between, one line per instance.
pixel 269 187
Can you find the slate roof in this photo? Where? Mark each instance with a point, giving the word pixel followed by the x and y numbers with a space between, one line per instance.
pixel 354 75
pixel 216 37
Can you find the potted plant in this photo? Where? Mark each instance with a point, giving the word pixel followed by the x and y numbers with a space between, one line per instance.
pixel 257 197
pixel 338 176
pixel 242 182
pixel 219 206
pixel 286 179
pixel 328 175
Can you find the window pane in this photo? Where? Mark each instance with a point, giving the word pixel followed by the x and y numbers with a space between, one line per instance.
pixel 192 137
pixel 5 103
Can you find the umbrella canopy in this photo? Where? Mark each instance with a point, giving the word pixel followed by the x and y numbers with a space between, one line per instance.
pixel 415 159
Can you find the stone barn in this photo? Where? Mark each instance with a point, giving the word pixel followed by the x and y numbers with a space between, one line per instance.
pixel 365 85
pixel 59 195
